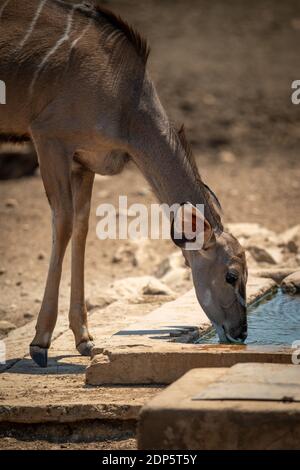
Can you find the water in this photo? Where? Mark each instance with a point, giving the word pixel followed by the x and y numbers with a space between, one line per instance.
pixel 275 322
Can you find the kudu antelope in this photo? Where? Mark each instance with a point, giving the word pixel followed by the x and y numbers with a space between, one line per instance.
pixel 78 86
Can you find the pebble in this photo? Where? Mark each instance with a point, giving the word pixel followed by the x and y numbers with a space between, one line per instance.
pixel 11 203
pixel 261 255
pixel 227 157
pixel 41 255
pixel 209 99
pixel 295 23
pixel 28 315
pixel 143 192
pixel 291 284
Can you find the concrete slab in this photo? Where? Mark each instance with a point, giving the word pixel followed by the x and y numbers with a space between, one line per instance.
pixel 259 382
pixel 165 363
pixel 58 394
pixel 173 420
pixel 17 342
pixel 257 287
pixel 140 353
pixel 179 321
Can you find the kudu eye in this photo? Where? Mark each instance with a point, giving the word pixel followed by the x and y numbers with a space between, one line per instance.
pixel 231 277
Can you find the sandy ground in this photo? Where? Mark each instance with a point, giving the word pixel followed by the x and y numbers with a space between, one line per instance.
pixel 223 68
pixel 9 443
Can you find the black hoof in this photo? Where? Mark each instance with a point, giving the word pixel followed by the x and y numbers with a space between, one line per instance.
pixel 85 348
pixel 39 355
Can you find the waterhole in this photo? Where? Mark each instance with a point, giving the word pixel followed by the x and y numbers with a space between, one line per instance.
pixel 270 321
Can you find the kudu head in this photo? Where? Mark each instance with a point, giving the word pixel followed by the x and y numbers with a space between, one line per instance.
pixel 219 271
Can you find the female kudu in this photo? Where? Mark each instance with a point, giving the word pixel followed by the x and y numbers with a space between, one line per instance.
pixel 78 86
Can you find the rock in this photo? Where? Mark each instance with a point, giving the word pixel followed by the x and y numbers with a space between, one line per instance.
pixel 261 255
pixel 133 288
pixel 143 192
pixel 209 99
pixel 2 271
pixel 277 274
pixel 156 287
pixel 173 270
pixel 251 263
pixel 292 247
pixel 291 238
pixel 291 284
pixel 248 230
pixel 100 302
pixel 124 254
pixel 6 327
pixel 176 277
pixel 276 254
pixel 137 252
pixel 264 239
pixel 173 261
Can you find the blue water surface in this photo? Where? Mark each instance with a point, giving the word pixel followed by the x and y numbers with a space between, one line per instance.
pixel 275 321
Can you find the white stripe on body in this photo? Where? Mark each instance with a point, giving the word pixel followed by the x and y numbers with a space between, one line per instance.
pixel 64 38
pixel 85 30
pixel 33 23
pixel 3 7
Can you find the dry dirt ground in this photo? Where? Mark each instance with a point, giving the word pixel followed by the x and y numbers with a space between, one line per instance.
pixel 8 443
pixel 223 68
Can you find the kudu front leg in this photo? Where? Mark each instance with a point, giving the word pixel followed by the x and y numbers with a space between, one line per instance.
pixel 82 184
pixel 56 175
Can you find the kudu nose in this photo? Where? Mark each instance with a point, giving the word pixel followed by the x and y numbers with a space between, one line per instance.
pixel 239 334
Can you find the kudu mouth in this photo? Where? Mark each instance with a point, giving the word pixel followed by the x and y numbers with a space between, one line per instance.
pixel 239 340
pixel 226 337
pixel 237 334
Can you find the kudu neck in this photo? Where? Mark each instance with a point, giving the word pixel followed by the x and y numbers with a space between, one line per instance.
pixel 160 155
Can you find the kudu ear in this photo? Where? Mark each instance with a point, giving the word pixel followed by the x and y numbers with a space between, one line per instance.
pixel 190 230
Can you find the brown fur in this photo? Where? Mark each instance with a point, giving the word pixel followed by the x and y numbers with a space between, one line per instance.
pixel 100 13
pixel 211 198
pixel 134 37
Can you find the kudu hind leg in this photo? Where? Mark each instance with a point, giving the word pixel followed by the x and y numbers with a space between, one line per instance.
pixel 56 175
pixel 82 183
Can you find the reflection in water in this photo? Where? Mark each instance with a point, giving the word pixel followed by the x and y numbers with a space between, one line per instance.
pixel 276 321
